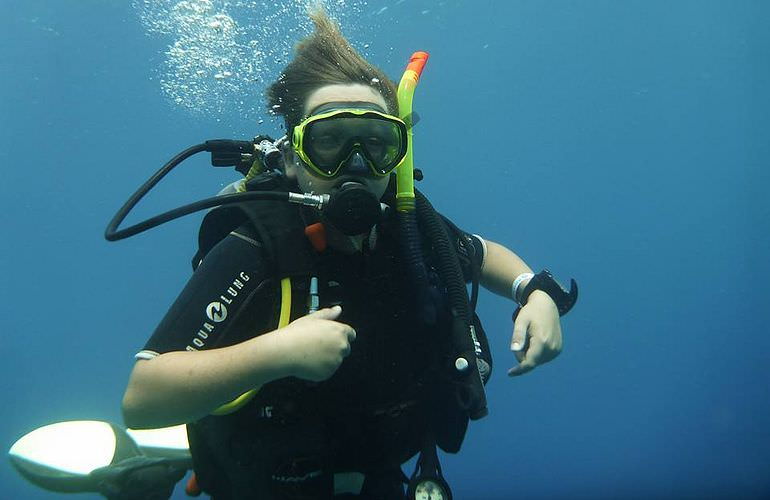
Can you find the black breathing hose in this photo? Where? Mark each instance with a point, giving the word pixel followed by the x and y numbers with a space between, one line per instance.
pixel 228 152
pixel 472 396
pixel 113 234
pixel 411 251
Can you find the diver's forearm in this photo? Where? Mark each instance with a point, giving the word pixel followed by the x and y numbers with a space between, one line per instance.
pixel 180 387
pixel 500 269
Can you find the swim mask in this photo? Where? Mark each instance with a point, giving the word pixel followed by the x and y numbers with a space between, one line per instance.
pixel 327 140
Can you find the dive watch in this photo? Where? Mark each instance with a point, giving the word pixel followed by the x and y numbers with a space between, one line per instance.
pixel 545 282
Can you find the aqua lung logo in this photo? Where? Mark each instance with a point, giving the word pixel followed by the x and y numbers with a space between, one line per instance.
pixel 216 311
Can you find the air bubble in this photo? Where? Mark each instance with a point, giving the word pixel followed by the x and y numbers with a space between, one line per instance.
pixel 217 53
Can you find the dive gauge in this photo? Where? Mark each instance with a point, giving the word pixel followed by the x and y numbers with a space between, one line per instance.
pixel 429 488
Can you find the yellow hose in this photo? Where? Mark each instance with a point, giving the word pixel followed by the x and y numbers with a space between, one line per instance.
pixel 283 320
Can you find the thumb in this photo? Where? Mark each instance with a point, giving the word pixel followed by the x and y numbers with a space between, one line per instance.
pixel 519 338
pixel 331 313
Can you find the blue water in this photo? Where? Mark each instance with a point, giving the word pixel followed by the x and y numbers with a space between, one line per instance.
pixel 626 144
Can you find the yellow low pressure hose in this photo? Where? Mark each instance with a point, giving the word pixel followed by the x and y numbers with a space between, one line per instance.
pixel 283 320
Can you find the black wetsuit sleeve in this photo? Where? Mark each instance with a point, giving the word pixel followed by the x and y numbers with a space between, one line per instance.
pixel 221 286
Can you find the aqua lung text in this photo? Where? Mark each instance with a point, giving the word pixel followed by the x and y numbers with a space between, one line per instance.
pixel 216 311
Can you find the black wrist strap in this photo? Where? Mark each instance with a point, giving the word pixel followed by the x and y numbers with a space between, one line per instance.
pixel 545 282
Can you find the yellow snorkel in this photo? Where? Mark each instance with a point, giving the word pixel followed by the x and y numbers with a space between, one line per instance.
pixel 405 172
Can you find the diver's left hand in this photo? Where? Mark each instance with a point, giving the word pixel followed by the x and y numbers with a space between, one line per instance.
pixel 536 333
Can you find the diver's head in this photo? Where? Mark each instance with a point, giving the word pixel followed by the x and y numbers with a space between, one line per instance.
pixel 341 118
pixel 328 73
pixel 346 147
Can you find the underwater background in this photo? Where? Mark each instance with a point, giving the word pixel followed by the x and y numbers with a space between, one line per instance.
pixel 622 143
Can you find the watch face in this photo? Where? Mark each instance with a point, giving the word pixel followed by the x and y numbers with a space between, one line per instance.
pixel 429 490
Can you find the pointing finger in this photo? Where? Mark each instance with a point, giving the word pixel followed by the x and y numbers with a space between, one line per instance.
pixel 529 360
pixel 521 369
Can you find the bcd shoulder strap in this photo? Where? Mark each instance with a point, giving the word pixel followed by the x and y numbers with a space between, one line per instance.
pixel 278 227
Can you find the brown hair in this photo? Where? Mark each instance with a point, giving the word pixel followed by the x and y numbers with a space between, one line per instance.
pixel 324 57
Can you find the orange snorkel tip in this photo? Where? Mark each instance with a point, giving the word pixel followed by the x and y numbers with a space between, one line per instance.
pixel 417 62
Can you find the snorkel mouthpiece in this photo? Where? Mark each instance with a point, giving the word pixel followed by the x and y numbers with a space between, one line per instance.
pixel 353 209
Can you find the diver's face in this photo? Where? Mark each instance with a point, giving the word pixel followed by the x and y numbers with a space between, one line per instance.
pixel 307 179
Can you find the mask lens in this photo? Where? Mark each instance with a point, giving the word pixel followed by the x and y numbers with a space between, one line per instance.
pixel 381 141
pixel 329 141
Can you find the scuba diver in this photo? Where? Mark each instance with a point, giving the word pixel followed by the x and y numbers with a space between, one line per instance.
pixel 314 351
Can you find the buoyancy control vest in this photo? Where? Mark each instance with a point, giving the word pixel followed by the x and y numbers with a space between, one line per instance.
pixel 372 414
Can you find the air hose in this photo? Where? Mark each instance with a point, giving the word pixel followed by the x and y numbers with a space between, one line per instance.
pixel 224 153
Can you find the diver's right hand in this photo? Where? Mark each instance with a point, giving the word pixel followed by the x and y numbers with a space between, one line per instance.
pixel 316 344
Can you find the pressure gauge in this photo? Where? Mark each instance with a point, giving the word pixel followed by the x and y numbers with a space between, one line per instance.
pixel 430 488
